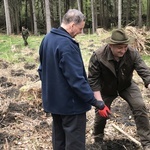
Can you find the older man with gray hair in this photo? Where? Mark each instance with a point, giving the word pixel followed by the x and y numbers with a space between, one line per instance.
pixel 66 93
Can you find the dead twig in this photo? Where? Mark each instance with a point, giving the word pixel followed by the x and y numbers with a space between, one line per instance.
pixel 126 134
pixel 2 119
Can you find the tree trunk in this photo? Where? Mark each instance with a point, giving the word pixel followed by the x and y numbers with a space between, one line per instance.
pixel 107 17
pixel 66 5
pixel 127 12
pixel 119 13
pixel 16 11
pixel 26 14
pixel 79 8
pixel 60 17
pixel 148 15
pixel 95 14
pixel 115 13
pixel 31 18
pixel 140 14
pixel 92 11
pixel 7 17
pixel 79 4
pixel 48 16
pixel 34 18
pixel 101 13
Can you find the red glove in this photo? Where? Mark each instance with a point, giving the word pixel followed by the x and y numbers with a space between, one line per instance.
pixel 104 112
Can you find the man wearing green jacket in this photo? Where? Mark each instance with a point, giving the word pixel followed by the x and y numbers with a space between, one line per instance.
pixel 110 75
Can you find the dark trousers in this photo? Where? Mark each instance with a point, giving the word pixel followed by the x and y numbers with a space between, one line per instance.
pixel 25 39
pixel 133 97
pixel 68 132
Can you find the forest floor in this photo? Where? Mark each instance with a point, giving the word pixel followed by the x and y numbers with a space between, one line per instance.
pixel 25 126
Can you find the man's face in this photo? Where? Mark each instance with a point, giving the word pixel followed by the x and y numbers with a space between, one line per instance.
pixel 77 28
pixel 118 50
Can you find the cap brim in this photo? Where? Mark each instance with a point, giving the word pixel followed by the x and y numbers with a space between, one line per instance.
pixel 130 41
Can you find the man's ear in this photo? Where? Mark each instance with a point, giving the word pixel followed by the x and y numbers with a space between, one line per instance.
pixel 71 24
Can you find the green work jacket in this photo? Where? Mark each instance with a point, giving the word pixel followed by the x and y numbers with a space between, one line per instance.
pixel 102 73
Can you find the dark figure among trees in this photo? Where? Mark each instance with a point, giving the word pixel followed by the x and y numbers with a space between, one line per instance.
pixel 25 34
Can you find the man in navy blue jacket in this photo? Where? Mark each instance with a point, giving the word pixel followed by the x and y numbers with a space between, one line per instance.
pixel 66 93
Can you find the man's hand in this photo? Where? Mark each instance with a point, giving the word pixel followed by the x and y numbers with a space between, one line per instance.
pixel 148 86
pixel 104 112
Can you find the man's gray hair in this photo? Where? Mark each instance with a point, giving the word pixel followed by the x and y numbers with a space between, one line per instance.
pixel 73 15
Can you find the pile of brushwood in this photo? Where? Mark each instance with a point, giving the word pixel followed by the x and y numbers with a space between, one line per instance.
pixel 141 38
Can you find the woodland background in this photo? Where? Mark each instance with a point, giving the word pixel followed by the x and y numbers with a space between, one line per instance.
pixel 39 16
pixel 23 123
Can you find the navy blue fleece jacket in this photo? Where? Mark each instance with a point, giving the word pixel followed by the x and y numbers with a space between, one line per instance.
pixel 65 89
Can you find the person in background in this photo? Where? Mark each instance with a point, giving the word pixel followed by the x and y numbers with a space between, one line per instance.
pixel 25 35
pixel 110 73
pixel 66 93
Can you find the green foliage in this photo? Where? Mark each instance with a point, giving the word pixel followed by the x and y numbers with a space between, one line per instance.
pixel 144 4
pixel 146 58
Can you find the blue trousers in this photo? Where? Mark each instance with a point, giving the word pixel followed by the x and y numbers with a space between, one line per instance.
pixel 68 132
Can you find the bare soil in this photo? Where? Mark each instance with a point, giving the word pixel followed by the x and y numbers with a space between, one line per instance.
pixel 25 126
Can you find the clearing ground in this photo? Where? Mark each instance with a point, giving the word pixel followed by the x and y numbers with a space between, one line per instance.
pixel 24 125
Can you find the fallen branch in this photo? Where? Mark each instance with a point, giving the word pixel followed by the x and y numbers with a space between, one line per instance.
pixel 130 137
pixel 131 23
